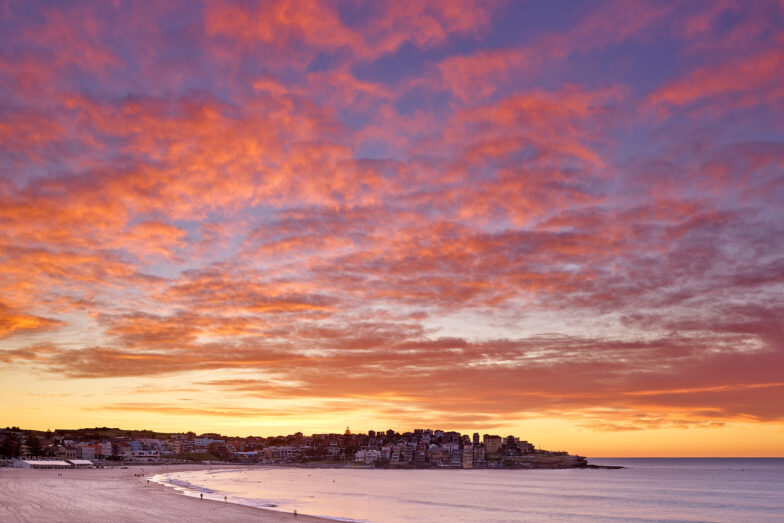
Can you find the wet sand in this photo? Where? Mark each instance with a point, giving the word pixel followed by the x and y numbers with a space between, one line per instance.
pixel 114 495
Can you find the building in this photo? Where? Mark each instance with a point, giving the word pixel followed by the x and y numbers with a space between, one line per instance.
pixel 41 464
pixel 281 453
pixel 251 456
pixel 468 457
pixel 106 449
pixel 142 456
pixel 120 447
pixel 398 453
pixel 181 446
pixel 81 463
pixel 439 456
pixel 479 457
pixel 408 453
pixel 367 456
pixel 85 452
pixel 492 443
pixel 175 445
pixel 420 454
pixel 452 436
pixel 203 443
pixel 456 459
pixel 65 453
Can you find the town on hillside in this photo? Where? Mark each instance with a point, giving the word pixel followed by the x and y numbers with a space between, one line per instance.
pixel 420 448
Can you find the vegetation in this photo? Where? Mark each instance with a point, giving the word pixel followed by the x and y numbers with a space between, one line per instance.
pixel 195 456
pixel 10 445
pixel 33 445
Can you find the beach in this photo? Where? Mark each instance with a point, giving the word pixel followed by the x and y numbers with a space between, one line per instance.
pixel 114 494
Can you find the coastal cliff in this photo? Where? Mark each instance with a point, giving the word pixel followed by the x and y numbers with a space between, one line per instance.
pixel 544 461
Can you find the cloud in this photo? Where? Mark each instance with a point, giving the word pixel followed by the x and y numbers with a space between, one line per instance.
pixel 33 353
pixel 744 81
pixel 170 410
pixel 487 72
pixel 14 322
pixel 378 362
pixel 303 29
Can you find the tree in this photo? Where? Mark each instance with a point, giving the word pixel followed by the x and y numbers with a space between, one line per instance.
pixel 381 463
pixel 33 445
pixel 219 450
pixel 10 446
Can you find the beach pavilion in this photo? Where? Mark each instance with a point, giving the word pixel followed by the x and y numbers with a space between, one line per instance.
pixel 41 464
pixel 81 463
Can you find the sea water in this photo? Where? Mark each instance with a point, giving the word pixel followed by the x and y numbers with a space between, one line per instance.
pixel 648 489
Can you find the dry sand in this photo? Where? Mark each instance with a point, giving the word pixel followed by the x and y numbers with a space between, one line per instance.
pixel 114 495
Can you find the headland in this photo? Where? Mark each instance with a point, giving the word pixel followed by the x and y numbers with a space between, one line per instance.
pixel 420 448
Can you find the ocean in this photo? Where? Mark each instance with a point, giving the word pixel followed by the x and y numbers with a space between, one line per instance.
pixel 648 489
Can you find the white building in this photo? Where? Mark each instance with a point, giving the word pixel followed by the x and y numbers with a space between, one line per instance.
pixel 367 456
pixel 41 464
pixel 81 463
pixel 142 456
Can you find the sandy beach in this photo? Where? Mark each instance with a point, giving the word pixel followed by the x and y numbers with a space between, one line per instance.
pixel 113 495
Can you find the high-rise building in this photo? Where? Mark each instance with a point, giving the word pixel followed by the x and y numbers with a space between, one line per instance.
pixel 476 439
pixel 468 457
pixel 492 443
pixel 479 457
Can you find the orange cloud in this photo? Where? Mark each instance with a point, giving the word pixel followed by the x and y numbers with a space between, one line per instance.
pixel 277 22
pixel 153 238
pixel 540 374
pixel 17 322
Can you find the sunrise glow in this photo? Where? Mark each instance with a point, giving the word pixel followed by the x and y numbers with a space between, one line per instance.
pixel 563 222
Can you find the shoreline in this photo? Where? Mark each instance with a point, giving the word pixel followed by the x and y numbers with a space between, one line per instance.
pixel 115 494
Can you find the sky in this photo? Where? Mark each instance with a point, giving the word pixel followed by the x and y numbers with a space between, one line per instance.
pixel 559 220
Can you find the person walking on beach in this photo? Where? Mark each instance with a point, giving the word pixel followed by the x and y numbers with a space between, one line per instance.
pixel 201 496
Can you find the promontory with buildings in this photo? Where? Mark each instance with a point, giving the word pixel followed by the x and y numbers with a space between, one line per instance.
pixel 420 448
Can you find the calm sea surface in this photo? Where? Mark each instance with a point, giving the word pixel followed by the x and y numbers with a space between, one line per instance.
pixel 647 490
